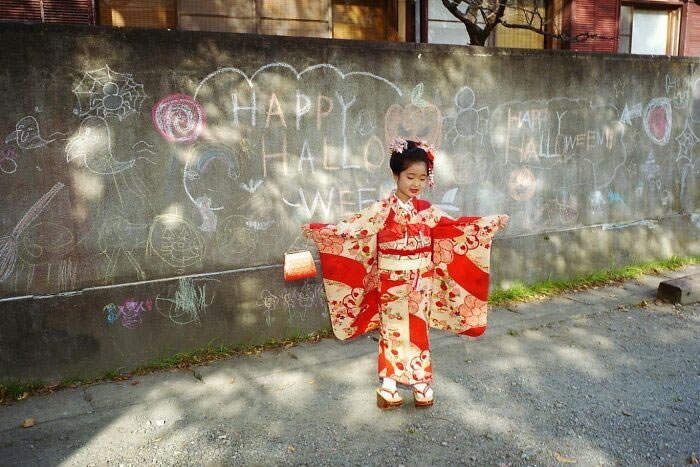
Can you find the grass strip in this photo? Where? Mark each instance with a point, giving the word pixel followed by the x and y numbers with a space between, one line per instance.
pixel 519 292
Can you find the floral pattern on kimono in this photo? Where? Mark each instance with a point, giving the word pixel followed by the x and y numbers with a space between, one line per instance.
pixel 448 292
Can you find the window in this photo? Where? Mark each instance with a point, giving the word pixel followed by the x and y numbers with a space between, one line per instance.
pixel 648 31
pixel 443 27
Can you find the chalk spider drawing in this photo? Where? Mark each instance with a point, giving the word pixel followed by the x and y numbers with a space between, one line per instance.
pixel 105 92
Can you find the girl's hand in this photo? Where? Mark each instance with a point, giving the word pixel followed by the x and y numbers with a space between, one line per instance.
pixel 502 221
pixel 306 230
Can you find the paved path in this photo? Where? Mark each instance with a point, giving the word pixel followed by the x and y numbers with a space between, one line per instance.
pixel 589 377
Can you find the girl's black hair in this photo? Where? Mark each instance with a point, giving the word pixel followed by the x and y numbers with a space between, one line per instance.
pixel 401 160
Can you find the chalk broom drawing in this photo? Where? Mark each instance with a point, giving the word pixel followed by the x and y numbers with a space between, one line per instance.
pixel 9 243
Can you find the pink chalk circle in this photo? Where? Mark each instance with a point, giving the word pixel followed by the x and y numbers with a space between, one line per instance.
pixel 179 118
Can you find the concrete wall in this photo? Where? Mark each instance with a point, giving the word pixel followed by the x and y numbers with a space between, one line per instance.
pixel 153 179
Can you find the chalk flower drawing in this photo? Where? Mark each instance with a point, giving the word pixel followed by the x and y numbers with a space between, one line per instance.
pixel 179 118
pixel 105 93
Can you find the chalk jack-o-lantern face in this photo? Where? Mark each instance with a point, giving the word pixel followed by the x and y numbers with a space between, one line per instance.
pixel 414 123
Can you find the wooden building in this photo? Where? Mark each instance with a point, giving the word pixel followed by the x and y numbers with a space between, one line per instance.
pixel 666 27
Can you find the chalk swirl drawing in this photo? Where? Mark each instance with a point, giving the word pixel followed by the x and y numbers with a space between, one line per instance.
pixel 44 242
pixel 201 172
pixel 657 120
pixel 179 118
pixel 175 241
pixel 105 92
pixel 188 303
pixel 130 312
pixel 8 165
pixel 28 136
pixel 9 243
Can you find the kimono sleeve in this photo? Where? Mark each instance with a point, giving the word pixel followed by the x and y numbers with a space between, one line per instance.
pixel 349 267
pixel 461 256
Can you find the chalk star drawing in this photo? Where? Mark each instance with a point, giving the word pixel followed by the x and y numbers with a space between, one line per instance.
pixel 686 140
pixel 105 92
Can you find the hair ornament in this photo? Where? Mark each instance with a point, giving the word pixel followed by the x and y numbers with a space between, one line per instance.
pixel 398 145
pixel 430 151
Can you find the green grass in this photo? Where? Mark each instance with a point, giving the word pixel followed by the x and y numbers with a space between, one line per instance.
pixel 522 293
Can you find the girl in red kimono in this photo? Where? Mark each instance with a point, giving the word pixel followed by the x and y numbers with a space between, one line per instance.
pixel 402 265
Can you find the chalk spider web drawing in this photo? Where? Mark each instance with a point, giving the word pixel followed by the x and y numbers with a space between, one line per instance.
pixel 105 92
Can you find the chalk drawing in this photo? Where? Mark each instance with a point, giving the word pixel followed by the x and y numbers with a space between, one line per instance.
pixel 175 241
pixel 522 184
pixel 179 118
pixel 366 122
pixel 119 238
pixel 695 109
pixel 234 238
pixel 107 93
pixel 301 299
pixel 201 175
pixel 9 243
pixel 7 160
pixel 143 146
pixel 252 185
pixel 188 303
pixel 470 122
pixel 130 312
pixel 417 96
pixel 677 90
pixel 93 148
pixel 203 204
pixel 619 86
pixel 695 219
pixel 448 200
pixel 269 301
pixel 686 142
pixel 630 113
pixel 44 242
pixel 297 74
pixel 597 202
pixel 658 120
pixel 28 136
pixel 414 123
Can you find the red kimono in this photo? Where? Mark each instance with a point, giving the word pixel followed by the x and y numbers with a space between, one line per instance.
pixel 403 268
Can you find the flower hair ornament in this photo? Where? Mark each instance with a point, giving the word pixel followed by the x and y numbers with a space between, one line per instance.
pixel 398 145
pixel 428 148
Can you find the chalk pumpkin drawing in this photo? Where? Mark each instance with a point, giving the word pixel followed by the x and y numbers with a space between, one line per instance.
pixel 522 184
pixel 175 241
pixel 179 118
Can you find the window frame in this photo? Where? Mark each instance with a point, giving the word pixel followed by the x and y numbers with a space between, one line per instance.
pixel 673 32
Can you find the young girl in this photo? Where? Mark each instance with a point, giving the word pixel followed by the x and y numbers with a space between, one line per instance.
pixel 402 265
